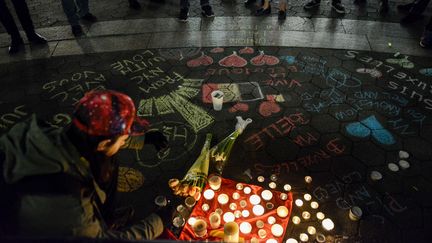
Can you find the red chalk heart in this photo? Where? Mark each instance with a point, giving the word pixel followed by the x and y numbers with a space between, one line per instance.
pixel 239 107
pixel 263 59
pixel 233 60
pixel 217 50
pixel 203 60
pixel 247 50
pixel 267 108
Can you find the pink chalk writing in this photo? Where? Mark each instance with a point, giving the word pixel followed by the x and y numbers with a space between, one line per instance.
pixel 282 82
pixel 278 71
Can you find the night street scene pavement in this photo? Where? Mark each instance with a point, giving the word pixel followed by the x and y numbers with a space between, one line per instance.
pixel 263 121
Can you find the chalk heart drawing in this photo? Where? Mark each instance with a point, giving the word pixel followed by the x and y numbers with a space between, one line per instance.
pixel 403 62
pixel 374 73
pixel 426 72
pixel 233 60
pixel 247 50
pixel 217 50
pixel 239 107
pixel 370 126
pixel 203 60
pixel 267 108
pixel 263 59
pixel 129 179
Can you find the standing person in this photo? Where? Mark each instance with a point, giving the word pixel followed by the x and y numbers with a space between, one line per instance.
pixel 426 39
pixel 184 10
pixel 336 5
pixel 76 10
pixel 59 180
pixel 414 9
pixel 266 8
pixel 26 22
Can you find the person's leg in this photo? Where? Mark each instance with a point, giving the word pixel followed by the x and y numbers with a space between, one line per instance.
pixel 419 7
pixel 312 4
pixel 265 8
pixel 26 22
pixel 184 10
pixel 206 9
pixel 384 7
pixel 426 39
pixel 337 6
pixel 70 9
pixel 8 22
pixel 283 4
pixel 83 7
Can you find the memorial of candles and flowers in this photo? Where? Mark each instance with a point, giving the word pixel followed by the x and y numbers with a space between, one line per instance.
pixel 219 209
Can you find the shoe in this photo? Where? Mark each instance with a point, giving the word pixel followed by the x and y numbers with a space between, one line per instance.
pixel 281 15
pixel 405 7
pixel 37 39
pixel 77 30
pixel 261 11
pixel 426 39
pixel 16 45
pixel 338 7
pixel 89 17
pixel 384 7
pixel 410 18
pixel 207 12
pixel 134 4
pixel 184 13
pixel 249 2
pixel 312 4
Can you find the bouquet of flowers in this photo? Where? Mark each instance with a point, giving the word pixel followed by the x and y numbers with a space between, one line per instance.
pixel 196 177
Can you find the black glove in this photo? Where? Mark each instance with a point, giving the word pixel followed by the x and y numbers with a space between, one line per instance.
pixel 157 139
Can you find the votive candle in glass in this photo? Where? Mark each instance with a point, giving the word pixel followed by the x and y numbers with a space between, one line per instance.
pixel 237 214
pixel 298 202
pixel 215 220
pixel 236 195
pixel 267 195
pixel 277 230
pixel 259 224
pixel 247 190
pixel 320 216
pixel 311 230
pixel 239 186
pixel 308 179
pixel 233 206
pixel 306 215
pixel 304 237
pixel 205 207
pixel 245 227
pixel 228 217
pixel 314 205
pixel 283 196
pixel 296 220
pixel 269 205
pixel 272 185
pixel 307 197
pixel 258 210
pixel 223 199
pixel 271 220
pixel 271 241
pixel 219 211
pixel 327 224
pixel 191 221
pixel 209 194
pixel 215 182
pixel 243 203
pixel 245 213
pixel 282 211
pixel 287 187
pixel 262 233
pixel 254 199
pixel 260 178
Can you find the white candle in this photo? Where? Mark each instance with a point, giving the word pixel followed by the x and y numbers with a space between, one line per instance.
pixel 233 206
pixel 304 237
pixel 247 190
pixel 209 194
pixel 296 220
pixel 237 214
pixel 277 230
pixel 262 233
pixel 228 217
pixel 311 230
pixel 308 179
pixel 219 211
pixel 260 178
pixel 254 199
pixel 306 215
pixel 215 220
pixel 245 213
pixel 239 186
pixel 258 210
pixel 266 195
pixel 273 177
pixel 231 232
pixel 307 197
pixel 291 240
pixel 282 211
pixel 254 240
pixel 205 207
pixel 236 195
pixel 327 224
pixel 271 241
pixel 287 187
pixel 259 224
pixel 215 182
pixel 271 220
pixel 243 203
pixel 299 202
pixel 223 199
pixel 314 205
pixel 272 185
pixel 191 221
pixel 245 228
pixel 283 196
pixel 320 216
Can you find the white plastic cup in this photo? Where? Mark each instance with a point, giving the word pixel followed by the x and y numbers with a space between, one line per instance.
pixel 217 99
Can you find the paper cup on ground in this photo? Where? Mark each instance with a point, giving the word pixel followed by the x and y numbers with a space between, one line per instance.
pixel 217 99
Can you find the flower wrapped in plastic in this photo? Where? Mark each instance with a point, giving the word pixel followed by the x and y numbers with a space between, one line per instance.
pixel 196 177
pixel 220 153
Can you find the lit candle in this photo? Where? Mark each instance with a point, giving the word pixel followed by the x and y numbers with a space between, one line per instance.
pixel 299 202
pixel 223 199
pixel 273 177
pixel 239 186
pixel 262 233
pixel 272 185
pixel 314 205
pixel 259 224
pixel 282 211
pixel 266 195
pixel 254 240
pixel 209 194
pixel 311 230
pixel 271 241
pixel 320 238
pixel 308 179
pixel 271 220
pixel 228 217
pixel 291 240
pixel 327 224
pixel 304 237
pixel 236 195
pixel 283 196
pixel 269 205
pixel 296 220
pixel 254 199
pixel 231 232
pixel 233 206
pixel 258 210
pixel 245 213
pixel 215 182
pixel 205 207
pixel 247 190
pixel 219 211
pixel 306 215
pixel 215 220
pixel 191 221
pixel 237 214
pixel 277 230
pixel 245 228
pixel 320 216
pixel 260 179
pixel 307 197
pixel 287 187
pixel 243 203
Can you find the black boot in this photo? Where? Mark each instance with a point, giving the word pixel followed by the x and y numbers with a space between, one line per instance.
pixel 134 4
pixel 77 30
pixel 37 39
pixel 16 45
pixel 384 7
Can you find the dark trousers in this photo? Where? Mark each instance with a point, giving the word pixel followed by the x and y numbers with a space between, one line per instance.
pixel 419 7
pixel 23 14
pixel 429 26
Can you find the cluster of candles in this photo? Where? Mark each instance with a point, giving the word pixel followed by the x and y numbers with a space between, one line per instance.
pixel 237 206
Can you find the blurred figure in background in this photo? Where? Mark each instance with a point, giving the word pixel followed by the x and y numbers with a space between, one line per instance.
pixel 335 4
pixel 414 10
pixel 184 10
pixel 426 39
pixel 76 10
